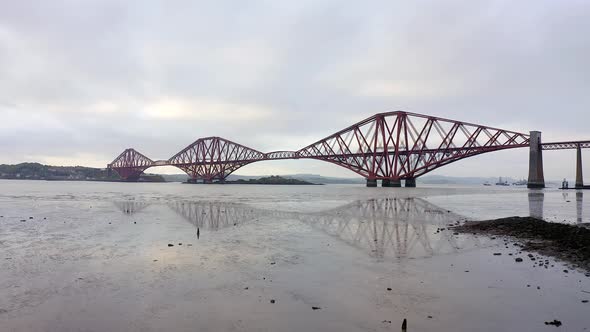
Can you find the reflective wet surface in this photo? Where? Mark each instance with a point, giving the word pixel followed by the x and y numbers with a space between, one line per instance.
pixel 172 257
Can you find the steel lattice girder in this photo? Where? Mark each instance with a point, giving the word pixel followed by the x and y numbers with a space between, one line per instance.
pixel 394 145
pixel 130 164
pixel 565 145
pixel 400 145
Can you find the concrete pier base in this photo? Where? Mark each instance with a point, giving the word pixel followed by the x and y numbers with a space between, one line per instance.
pixel 579 177
pixel 536 177
pixel 411 183
pixel 371 182
pixel 391 183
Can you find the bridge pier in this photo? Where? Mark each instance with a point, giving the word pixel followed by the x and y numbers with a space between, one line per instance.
pixel 371 182
pixel 536 177
pixel 579 177
pixel 391 183
pixel 410 182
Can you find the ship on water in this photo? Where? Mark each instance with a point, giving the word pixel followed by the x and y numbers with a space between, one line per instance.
pixel 502 183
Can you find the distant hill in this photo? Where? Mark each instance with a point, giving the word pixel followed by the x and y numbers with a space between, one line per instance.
pixel 312 178
pixel 273 179
pixel 36 171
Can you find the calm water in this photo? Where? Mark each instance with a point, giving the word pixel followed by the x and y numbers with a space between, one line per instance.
pixel 96 257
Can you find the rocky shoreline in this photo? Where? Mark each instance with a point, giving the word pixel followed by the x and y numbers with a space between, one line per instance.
pixel 570 243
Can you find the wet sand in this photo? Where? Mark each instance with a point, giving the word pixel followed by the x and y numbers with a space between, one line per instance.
pixel 81 265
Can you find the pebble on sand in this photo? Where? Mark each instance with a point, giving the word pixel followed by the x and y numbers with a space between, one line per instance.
pixel 518 259
pixel 554 322
pixel 170 245
pixel 272 301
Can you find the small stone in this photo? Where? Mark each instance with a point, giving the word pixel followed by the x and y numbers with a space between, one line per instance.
pixel 316 308
pixel 246 288
pixel 565 271
pixel 135 222
pixel 170 245
pixel 272 263
pixel 584 301
pixel 518 259
pixel 466 270
pixel 455 233
pixel 528 285
pixel 272 301
pixel 179 243
pixel 404 325
pixel 497 254
pixel 429 316
pixel 389 289
pixel 555 322
pixel 30 217
pixel 538 287
pixel 386 321
pixel 155 260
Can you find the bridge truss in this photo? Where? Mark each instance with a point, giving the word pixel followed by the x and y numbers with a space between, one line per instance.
pixel 387 146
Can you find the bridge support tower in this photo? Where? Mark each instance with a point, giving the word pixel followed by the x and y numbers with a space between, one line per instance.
pixel 371 182
pixel 579 177
pixel 536 177
pixel 391 183
pixel 410 182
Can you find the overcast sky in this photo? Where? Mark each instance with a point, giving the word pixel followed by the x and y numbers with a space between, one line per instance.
pixel 82 80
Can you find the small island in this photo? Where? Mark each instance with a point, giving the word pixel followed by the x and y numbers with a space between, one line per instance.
pixel 273 179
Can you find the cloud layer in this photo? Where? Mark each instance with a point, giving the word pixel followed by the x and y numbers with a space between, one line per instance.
pixel 81 81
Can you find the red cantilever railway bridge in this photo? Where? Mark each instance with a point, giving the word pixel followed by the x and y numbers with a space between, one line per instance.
pixel 390 147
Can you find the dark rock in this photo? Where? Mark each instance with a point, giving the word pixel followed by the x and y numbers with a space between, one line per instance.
pixel 565 271
pixel 246 288
pixel 316 308
pixel 497 254
pixel 170 245
pixel 555 322
pixel 386 321
pixel 429 316
pixel 135 222
pixel 389 288
pixel 272 301
pixel 404 325
pixel 30 217
pixel 584 301
pixel 518 259
pixel 455 233
pixel 272 263
pixel 179 243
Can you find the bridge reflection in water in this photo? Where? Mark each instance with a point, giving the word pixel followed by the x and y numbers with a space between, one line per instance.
pixel 383 228
pixel 537 205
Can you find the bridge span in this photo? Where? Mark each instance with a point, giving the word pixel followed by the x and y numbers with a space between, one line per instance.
pixel 390 147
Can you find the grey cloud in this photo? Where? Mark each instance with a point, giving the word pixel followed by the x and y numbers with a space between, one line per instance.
pixel 316 66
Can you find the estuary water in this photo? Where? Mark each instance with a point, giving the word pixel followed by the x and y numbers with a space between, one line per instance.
pixel 93 256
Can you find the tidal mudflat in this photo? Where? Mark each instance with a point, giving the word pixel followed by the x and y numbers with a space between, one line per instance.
pixel 171 257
